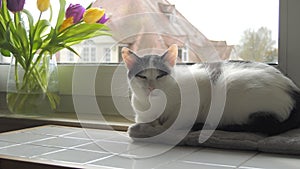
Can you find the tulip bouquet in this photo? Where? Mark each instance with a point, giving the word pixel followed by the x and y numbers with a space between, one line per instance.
pixel 32 42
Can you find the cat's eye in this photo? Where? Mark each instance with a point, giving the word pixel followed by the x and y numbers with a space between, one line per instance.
pixel 140 76
pixel 162 75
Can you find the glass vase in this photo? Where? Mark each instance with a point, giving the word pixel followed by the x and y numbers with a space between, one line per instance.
pixel 32 88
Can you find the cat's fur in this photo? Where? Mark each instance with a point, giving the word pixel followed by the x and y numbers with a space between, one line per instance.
pixel 259 98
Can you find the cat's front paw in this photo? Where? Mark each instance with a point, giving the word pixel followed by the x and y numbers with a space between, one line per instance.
pixel 142 130
pixel 137 130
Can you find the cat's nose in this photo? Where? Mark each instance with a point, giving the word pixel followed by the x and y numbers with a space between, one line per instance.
pixel 151 88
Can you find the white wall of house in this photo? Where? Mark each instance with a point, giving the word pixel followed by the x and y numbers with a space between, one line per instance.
pixel 96 50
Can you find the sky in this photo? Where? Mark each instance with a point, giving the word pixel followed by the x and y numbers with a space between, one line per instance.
pixel 220 19
pixel 228 19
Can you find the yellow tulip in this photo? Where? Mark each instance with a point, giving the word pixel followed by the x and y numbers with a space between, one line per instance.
pixel 43 5
pixel 66 23
pixel 92 15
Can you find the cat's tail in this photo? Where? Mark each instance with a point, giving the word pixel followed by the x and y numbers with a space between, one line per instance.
pixel 294 119
pixel 268 123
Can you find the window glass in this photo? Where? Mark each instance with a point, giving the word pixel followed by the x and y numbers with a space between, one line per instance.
pixel 229 29
pixel 239 29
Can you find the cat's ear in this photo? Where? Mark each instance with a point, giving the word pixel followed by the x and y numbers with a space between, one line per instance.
pixel 129 57
pixel 171 54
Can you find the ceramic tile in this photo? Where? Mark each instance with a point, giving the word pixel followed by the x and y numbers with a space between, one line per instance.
pixel 78 135
pixel 115 147
pixel 53 130
pixel 91 166
pixel 120 137
pixel 116 162
pixel 4 144
pixel 20 137
pixel 152 150
pixel 219 157
pixel 93 134
pixel 131 161
pixel 93 146
pixel 191 165
pixel 273 161
pixel 110 149
pixel 61 142
pixel 75 156
pixel 26 150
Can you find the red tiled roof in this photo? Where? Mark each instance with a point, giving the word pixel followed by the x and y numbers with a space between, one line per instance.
pixel 145 24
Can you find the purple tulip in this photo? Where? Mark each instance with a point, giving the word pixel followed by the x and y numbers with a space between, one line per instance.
pixel 103 19
pixel 0 3
pixel 76 11
pixel 15 5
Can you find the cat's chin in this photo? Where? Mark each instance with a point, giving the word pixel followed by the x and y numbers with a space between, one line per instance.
pixel 155 93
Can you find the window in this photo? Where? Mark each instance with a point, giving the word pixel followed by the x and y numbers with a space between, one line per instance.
pixel 287 55
pixel 183 55
pixel 107 55
pixel 244 30
pixel 93 54
pixel 88 53
pixel 168 10
pixel 71 56
pixel 235 29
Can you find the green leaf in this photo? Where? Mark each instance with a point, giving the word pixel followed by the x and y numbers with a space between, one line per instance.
pixel 5 53
pixel 22 37
pixel 83 31
pixel 2 24
pixel 42 26
pixel 4 12
pixel 9 40
pixel 61 14
pixel 90 5
pixel 72 50
pixel 2 29
pixel 37 44
pixel 51 13
pixel 30 22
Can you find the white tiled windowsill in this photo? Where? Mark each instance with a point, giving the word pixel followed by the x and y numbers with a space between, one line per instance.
pixel 94 148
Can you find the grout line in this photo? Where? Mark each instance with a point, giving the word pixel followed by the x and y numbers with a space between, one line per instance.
pixel 250 168
pixel 74 132
pixel 251 157
pixel 43 139
pixel 100 167
pixel 51 152
pixel 210 164
pixel 92 161
pixel 84 144
pixel 195 149
pixel 12 145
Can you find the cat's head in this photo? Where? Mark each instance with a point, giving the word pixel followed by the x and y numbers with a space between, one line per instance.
pixel 149 72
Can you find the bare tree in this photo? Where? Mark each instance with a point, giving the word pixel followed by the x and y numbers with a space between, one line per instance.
pixel 258 46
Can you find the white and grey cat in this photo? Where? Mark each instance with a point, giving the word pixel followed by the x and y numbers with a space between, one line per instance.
pixel 259 98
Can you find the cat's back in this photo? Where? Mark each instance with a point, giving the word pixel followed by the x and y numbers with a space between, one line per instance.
pixel 242 74
pixel 250 87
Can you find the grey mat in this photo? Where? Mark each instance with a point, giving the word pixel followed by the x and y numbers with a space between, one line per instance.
pixel 285 143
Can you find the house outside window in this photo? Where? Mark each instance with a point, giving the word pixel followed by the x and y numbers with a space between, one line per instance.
pixel 88 53
pixel 184 54
pixel 194 25
pixel 71 56
pixel 107 55
pixel 93 54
